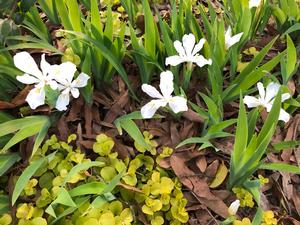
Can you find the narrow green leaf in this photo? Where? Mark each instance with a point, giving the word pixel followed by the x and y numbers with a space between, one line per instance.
pixel 241 136
pixel 40 137
pixel 150 30
pixel 113 183
pixel 134 132
pixel 74 15
pixel 92 188
pixel 64 198
pixel 291 59
pixel 214 110
pixel 258 217
pixel 79 202
pixel 220 126
pixel 192 140
pixel 4 204
pixel 292 29
pixel 95 17
pixel 27 174
pixel 21 135
pixel 252 119
pixel 64 15
pixel 285 145
pixel 280 167
pixel 7 160
pixel 80 167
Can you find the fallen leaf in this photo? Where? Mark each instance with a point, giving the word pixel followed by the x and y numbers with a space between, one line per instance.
pixel 212 169
pixel 201 163
pixel 197 185
pixel 220 176
pixel 88 119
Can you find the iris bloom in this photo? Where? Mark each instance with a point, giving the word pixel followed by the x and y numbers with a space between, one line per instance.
pixel 233 208
pixel 266 99
pixel 176 103
pixel 254 3
pixel 33 75
pixel 232 40
pixel 188 52
pixel 64 74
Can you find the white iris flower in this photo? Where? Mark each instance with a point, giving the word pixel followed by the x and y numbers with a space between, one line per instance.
pixel 33 75
pixel 266 99
pixel 64 74
pixel 254 3
pixel 232 40
pixel 56 76
pixel 188 52
pixel 176 103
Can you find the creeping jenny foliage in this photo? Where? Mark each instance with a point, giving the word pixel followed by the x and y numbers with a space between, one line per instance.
pixel 144 187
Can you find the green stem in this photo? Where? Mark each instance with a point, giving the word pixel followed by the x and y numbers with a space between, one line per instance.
pixel 187 75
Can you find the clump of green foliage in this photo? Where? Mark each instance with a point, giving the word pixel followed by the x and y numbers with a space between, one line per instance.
pixel 74 188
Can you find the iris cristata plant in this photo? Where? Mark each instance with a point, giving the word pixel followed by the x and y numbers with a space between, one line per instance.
pixel 266 99
pixel 232 40
pixel 188 52
pixel 176 103
pixel 250 148
pixel 33 75
pixel 57 77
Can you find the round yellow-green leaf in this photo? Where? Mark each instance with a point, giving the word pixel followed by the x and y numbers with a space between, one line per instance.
pixel 108 173
pixel 107 219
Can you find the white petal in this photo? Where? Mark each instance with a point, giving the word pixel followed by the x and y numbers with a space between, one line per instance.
pixel 285 96
pixel 284 116
pixel 45 66
pixel 23 61
pixel 166 83
pixel 179 48
pixel 174 60
pixel 36 97
pixel 188 42
pixel 233 208
pixel 261 90
pixel 27 79
pixel 198 46
pixel 53 84
pixel 81 80
pixel 60 87
pixel 68 69
pixel 178 104
pixel 254 3
pixel 228 34
pixel 271 91
pixel 57 74
pixel 233 40
pixel 251 101
pixel 64 72
pixel 151 91
pixel 268 107
pixel 62 102
pixel 75 92
pixel 150 108
pixel 201 61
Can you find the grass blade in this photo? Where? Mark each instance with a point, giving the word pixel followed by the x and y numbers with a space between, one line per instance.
pixel 27 174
